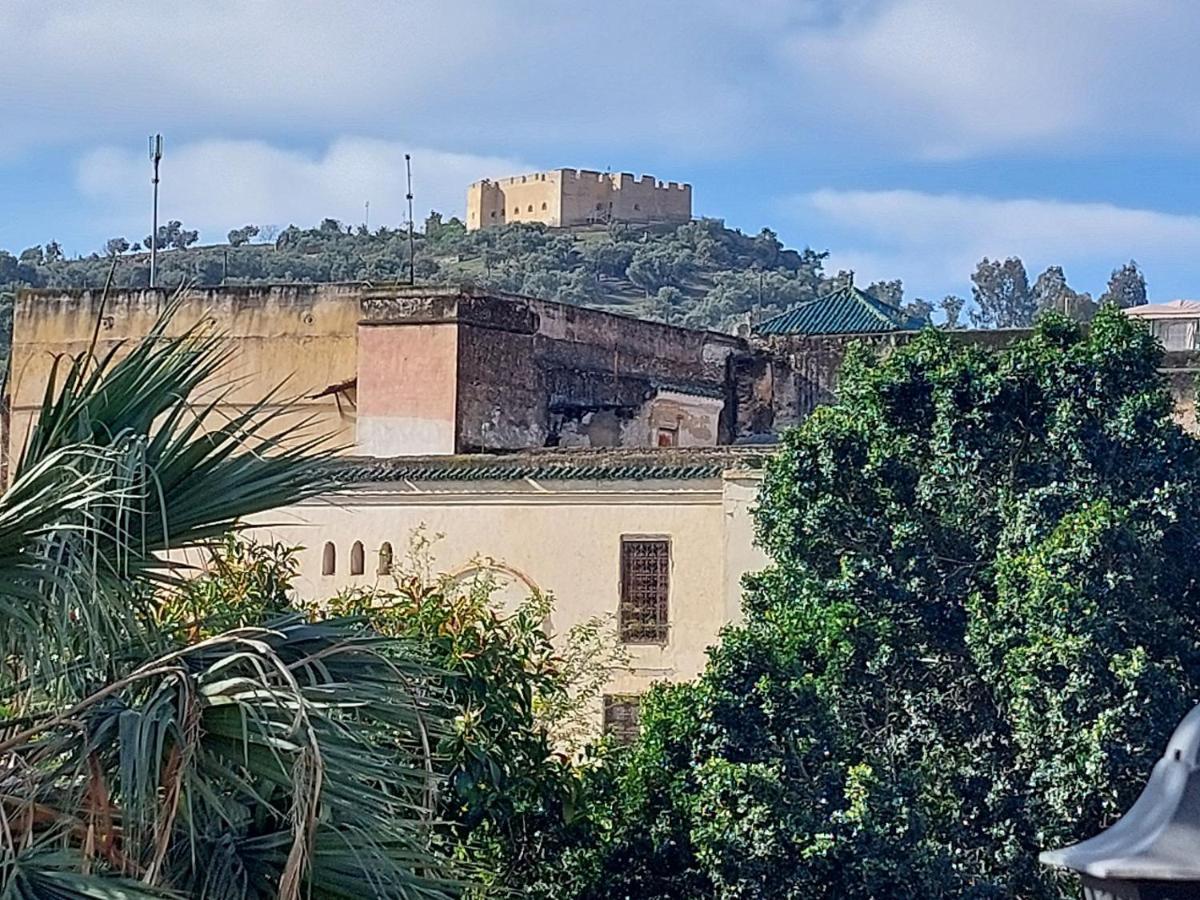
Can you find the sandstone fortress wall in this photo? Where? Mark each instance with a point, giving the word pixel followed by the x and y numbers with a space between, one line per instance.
pixel 565 197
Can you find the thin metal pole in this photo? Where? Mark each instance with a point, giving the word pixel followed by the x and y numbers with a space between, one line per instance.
pixel 367 217
pixel 412 260
pixel 155 155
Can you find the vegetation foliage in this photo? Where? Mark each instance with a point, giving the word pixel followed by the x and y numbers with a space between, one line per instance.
pixel 700 274
pixel 978 630
pixel 139 757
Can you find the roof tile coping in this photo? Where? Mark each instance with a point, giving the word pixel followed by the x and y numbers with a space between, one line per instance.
pixel 574 464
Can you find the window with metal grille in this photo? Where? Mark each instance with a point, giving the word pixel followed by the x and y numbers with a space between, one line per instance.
pixel 645 587
pixel 622 717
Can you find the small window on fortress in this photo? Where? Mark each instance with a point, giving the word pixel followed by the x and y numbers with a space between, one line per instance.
pixel 329 559
pixel 599 206
pixel 543 207
pixel 385 559
pixel 493 214
pixel 357 562
pixel 636 207
pixel 516 210
pixel 531 207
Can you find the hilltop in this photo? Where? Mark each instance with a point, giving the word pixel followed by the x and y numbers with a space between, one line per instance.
pixel 699 274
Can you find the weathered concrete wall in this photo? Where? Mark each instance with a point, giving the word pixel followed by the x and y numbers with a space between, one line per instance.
pixel 532 373
pixel 407 378
pixel 299 336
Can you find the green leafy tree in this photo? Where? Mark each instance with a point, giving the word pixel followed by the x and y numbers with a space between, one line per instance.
pixel 888 291
pixel 1051 293
pixel 243 235
pixel 952 307
pixel 1002 296
pixel 977 632
pixel 1126 286
pixel 510 790
pixel 115 246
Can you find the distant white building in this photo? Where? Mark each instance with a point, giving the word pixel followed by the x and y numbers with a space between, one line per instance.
pixel 1174 323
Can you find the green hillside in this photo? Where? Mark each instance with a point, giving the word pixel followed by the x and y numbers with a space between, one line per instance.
pixel 701 274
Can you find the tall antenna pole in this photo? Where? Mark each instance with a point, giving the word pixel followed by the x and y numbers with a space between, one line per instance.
pixel 367 216
pixel 156 151
pixel 412 260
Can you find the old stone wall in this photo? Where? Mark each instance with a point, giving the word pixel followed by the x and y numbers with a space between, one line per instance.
pixel 531 373
pixel 294 340
pixel 590 377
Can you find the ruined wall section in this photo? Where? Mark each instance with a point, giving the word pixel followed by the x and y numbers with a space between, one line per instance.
pixel 534 373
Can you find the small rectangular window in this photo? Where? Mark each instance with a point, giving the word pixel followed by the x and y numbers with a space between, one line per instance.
pixel 622 717
pixel 668 437
pixel 645 589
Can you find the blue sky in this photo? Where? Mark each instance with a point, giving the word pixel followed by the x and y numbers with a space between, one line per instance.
pixel 908 137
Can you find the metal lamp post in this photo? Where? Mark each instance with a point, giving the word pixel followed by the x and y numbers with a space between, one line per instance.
pixel 156 152
pixel 1153 851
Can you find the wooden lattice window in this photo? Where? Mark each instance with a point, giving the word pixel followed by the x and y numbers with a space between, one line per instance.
pixel 622 717
pixel 645 589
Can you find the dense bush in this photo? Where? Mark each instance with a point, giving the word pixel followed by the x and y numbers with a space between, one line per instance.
pixel 978 630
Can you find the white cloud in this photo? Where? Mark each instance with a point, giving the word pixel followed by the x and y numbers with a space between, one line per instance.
pixel 678 81
pixel 215 185
pixel 957 78
pixel 933 241
pixel 462 73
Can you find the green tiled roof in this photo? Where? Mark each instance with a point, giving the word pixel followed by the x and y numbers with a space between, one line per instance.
pixel 846 310
pixel 626 464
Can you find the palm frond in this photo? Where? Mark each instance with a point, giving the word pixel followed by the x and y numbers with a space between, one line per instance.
pixel 280 761
pixel 127 462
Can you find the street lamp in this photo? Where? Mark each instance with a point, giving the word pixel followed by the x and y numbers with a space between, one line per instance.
pixel 1153 851
pixel 156 151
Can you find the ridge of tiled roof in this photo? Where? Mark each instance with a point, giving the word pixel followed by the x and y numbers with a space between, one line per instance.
pixel 574 464
pixel 846 310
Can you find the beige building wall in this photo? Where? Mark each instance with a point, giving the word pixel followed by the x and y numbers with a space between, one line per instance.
pixel 297 340
pixel 560 536
pixel 564 197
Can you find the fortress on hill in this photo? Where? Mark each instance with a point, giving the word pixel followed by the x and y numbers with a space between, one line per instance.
pixel 565 197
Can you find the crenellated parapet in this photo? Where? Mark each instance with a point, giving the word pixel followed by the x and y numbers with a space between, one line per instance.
pixel 574 197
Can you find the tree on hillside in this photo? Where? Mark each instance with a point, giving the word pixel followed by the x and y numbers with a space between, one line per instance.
pixel 653 267
pixel 53 252
pixel 243 235
pixel 919 309
pixel 977 631
pixel 891 292
pixel 1126 286
pixel 173 235
pixel 952 307
pixel 1051 293
pixel 115 246
pixel 1002 296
